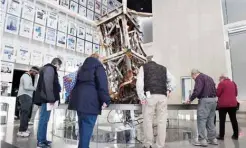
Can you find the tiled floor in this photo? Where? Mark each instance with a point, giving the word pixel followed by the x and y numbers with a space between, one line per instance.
pixel 179 134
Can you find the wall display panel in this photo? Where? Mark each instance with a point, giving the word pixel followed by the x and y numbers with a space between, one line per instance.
pixel 104 10
pixel 14 7
pixel 8 52
pixel 83 2
pixel 50 36
pixel 90 4
pixel 88 48
pixel 88 34
pixel 52 20
pixel 71 42
pixel 23 55
pixel 38 32
pixel 26 28
pixel 80 46
pixel 62 24
pixel 96 37
pixel 90 14
pixel 72 28
pixel 61 39
pixel 105 2
pixel 74 6
pixel 6 88
pixel 7 71
pixel 40 17
pixel 82 10
pixel 36 58
pixel 2 20
pixel 28 11
pixel 3 6
pixel 96 48
pixel 48 58
pixel 64 3
pixel 81 31
pixel 70 64
pixel 98 6
pixel 12 24
pixel 97 17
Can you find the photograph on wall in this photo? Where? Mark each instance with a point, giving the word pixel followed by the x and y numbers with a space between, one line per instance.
pixel 98 6
pixel 80 46
pixel 26 28
pixel 36 58
pixel 12 24
pixel 74 6
pixel 96 37
pixel 61 39
pixel 96 48
pixel 64 3
pixel 62 24
pixel 81 32
pixel 90 4
pixel 6 88
pixel 50 36
pixel 70 64
pixel 28 11
pixel 8 52
pixel 14 7
pixel 3 6
pixel 88 48
pixel 72 28
pixel 97 17
pixel 40 17
pixel 90 14
pixel 52 20
pixel 88 34
pixel 38 32
pixel 7 71
pixel 83 2
pixel 71 42
pixel 105 2
pixel 82 10
pixel 23 55
pixel 104 10
pixel 48 58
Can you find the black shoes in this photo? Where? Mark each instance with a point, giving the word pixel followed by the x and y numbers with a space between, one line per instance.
pixel 220 138
pixel 234 137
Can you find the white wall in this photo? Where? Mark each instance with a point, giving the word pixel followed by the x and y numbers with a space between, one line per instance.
pixel 188 34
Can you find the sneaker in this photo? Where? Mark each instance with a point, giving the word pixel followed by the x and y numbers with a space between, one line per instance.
pixel 48 143
pixel 30 123
pixel 202 143
pixel 29 132
pixel 23 134
pixel 41 145
pixel 234 137
pixel 213 142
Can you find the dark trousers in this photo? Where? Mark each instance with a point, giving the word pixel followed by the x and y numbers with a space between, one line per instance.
pixel 25 108
pixel 43 123
pixel 86 125
pixel 232 114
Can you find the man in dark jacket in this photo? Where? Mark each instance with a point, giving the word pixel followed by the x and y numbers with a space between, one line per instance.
pixel 47 92
pixel 89 96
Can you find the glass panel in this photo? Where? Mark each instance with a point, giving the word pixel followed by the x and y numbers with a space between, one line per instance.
pixel 235 9
pixel 238 52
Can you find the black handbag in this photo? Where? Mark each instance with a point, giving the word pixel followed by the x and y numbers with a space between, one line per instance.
pixel 238 105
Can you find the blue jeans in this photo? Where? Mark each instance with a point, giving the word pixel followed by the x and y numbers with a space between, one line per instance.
pixel 43 123
pixel 86 125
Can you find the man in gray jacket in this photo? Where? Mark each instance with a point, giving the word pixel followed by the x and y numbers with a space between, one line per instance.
pixel 25 95
pixel 48 92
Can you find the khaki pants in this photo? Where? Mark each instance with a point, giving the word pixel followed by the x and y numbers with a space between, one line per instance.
pixel 156 103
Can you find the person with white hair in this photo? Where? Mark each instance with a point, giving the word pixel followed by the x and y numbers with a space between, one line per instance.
pixel 205 91
pixel 154 85
pixel 227 103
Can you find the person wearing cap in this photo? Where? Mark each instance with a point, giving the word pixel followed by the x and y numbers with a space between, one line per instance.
pixel 154 85
pixel 227 103
pixel 25 95
pixel 205 91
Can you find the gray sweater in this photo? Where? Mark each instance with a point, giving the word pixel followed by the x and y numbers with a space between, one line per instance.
pixel 26 87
